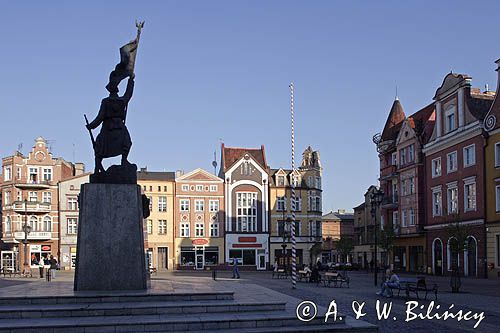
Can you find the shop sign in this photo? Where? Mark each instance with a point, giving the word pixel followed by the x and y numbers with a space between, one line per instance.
pixel 199 241
pixel 35 248
pixel 247 239
pixel 45 247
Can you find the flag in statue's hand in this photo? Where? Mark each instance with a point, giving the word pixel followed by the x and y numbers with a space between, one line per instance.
pixel 127 62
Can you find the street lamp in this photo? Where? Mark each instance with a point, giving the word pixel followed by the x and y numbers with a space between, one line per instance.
pixel 375 201
pixel 27 230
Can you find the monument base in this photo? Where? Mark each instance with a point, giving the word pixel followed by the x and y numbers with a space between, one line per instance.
pixel 110 248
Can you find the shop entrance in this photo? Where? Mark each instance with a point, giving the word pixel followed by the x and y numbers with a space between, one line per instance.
pixel 163 258
pixel 8 261
pixel 200 264
pixel 261 261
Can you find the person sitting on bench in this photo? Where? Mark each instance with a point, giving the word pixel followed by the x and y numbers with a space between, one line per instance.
pixel 391 282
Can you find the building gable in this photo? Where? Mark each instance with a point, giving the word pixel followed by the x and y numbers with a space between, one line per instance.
pixel 198 175
pixel 491 120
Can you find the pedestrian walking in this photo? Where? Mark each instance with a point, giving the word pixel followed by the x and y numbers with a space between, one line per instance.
pixel 40 267
pixel 236 273
pixel 53 267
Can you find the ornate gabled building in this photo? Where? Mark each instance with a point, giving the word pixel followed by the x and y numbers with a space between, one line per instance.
pixel 307 183
pixel 402 177
pixel 30 196
pixel 492 183
pixel 455 178
pixel 246 190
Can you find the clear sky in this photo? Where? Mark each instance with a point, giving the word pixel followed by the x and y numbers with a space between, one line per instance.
pixel 212 70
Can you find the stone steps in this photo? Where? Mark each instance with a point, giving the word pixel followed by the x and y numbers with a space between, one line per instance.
pixel 118 297
pixel 134 308
pixel 269 321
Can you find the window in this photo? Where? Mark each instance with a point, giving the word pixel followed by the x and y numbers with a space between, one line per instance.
pixel 280 204
pixel 214 229
pixel 246 215
pixel 150 203
pixel 213 188
pixel 19 196
pixel 497 154
pixel 403 187
pixel 72 223
pixel 412 185
pixel 295 181
pixel 411 153
pixel 281 181
pixel 395 218
pixel 199 188
pixel 151 189
pixel 403 219
pixel 450 118
pixel 402 155
pixel 7 174
pixel 394 159
pixel 452 254
pixel 162 227
pixel 310 181
pixel 244 257
pixel 211 255
pixel 451 159
pixel 184 229
pixel 165 188
pixel 149 227
pixel 469 155
pixel 33 175
pixel 297 207
pixel 470 195
pixel 162 204
pixel 436 167
pixel 18 174
pixel 72 203
pixel 47 174
pixel 452 197
pixel 317 232
pixel 33 196
pixel 412 216
pixel 33 223
pixel 8 224
pixel 199 230
pixel 185 188
pixel 436 203
pixel 498 198
pixel 318 183
pixel 47 197
pixel 159 188
pixel 214 206
pixel 199 205
pixel 47 224
pixel 144 188
pixel 7 198
pixel 184 205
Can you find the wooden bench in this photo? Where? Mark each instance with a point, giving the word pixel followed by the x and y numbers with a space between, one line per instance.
pixel 303 275
pixel 336 279
pixel 280 273
pixel 421 286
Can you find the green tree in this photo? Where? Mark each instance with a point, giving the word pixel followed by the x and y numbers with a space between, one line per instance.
pixel 345 246
pixel 386 241
pixel 458 234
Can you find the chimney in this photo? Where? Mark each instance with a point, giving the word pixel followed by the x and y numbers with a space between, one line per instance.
pixel 179 173
pixel 79 169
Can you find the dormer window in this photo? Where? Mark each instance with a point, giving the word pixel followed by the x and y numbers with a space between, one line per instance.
pixel 450 122
pixel 281 180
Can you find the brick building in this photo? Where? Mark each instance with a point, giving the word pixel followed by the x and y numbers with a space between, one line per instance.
pixel 336 225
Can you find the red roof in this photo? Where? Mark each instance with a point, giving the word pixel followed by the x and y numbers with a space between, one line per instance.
pixel 394 121
pixel 231 155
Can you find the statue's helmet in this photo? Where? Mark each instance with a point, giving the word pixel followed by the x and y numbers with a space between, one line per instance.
pixel 114 81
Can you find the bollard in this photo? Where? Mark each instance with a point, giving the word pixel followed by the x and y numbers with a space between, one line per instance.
pixel 48 275
pixel 214 274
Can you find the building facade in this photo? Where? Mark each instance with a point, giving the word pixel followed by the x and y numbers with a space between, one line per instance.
pixel 246 192
pixel 30 196
pixel 307 208
pixel 492 173
pixel 402 178
pixel 454 164
pixel 199 221
pixel 69 190
pixel 159 187
pixel 336 225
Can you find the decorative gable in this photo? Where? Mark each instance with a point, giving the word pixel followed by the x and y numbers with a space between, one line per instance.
pixel 199 175
pixel 490 121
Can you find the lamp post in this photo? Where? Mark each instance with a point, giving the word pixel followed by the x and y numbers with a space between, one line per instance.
pixel 375 201
pixel 27 230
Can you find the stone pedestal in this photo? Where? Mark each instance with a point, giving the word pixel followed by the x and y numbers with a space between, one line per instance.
pixel 110 250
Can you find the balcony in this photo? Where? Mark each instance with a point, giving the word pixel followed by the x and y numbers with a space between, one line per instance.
pixel 31 207
pixel 388 172
pixel 390 202
pixel 33 184
pixel 34 235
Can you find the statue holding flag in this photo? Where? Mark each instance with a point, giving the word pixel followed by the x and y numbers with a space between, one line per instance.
pixel 114 138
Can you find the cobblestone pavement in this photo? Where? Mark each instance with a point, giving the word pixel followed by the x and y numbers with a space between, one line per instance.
pixel 474 298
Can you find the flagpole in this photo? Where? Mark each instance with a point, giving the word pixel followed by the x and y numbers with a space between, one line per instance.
pixel 292 206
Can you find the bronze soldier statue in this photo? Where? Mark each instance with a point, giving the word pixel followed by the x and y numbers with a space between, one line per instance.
pixel 114 139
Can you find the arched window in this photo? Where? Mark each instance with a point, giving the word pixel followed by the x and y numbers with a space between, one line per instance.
pixel 33 223
pixel 437 257
pixel 453 257
pixel 8 224
pixel 470 257
pixel 47 223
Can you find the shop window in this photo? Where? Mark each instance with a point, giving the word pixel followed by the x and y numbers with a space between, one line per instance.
pixel 211 256
pixel 187 256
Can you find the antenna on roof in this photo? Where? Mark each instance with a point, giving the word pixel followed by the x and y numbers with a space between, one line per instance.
pixel 19 147
pixel 396 98
pixel 214 162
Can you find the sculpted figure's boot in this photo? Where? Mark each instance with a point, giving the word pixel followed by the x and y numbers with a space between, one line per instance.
pixel 124 158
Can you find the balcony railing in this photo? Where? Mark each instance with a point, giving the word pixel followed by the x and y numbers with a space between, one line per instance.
pixel 31 207
pixel 388 172
pixel 390 201
pixel 33 184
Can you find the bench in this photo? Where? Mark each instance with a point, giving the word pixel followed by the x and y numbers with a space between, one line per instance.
pixel 280 273
pixel 336 279
pixel 421 286
pixel 303 275
pixel 10 272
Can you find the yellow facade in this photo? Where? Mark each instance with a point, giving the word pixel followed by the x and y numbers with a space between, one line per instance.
pixel 159 226
pixel 492 215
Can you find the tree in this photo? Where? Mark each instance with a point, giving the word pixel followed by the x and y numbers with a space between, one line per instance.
pixel 345 246
pixel 386 241
pixel 458 235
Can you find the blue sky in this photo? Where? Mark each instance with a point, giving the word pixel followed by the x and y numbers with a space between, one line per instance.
pixel 211 70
